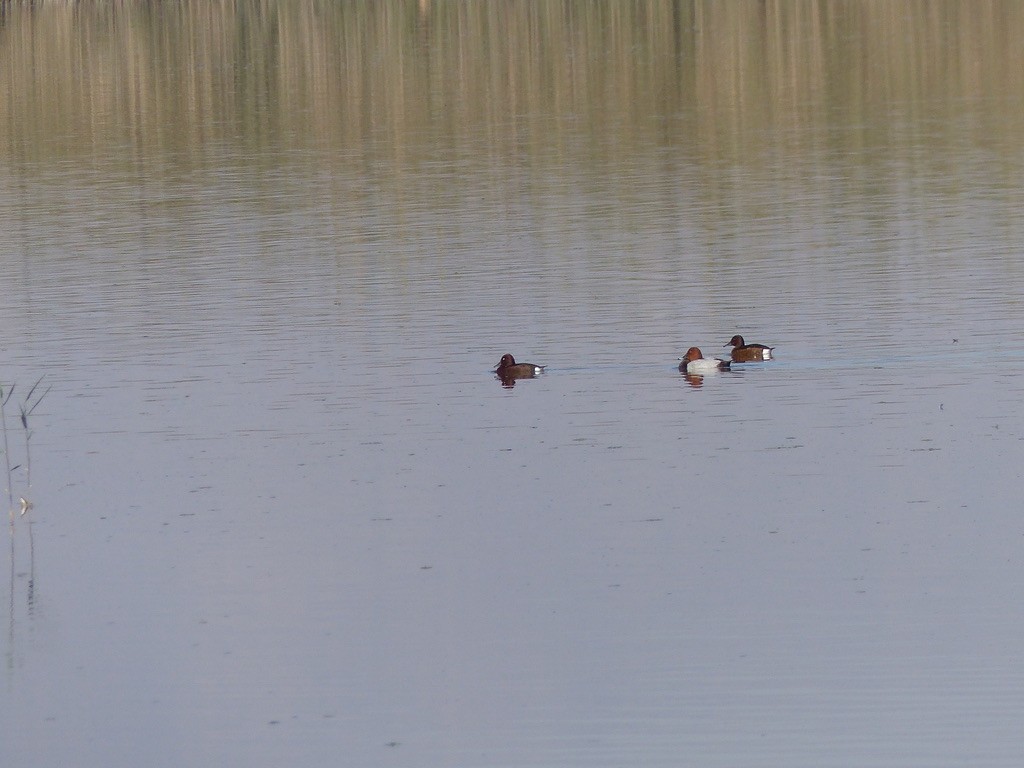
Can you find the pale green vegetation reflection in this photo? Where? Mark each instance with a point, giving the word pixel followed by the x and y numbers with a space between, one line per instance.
pixel 719 80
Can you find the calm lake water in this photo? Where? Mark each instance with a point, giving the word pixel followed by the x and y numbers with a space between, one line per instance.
pixel 264 258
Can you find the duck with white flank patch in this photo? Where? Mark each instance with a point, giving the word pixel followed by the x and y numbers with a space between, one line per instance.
pixel 695 362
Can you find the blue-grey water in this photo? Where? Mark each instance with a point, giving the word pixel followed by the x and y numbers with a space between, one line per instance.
pixel 284 513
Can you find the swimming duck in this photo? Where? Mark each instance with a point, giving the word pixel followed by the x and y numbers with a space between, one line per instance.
pixel 508 368
pixel 743 352
pixel 694 362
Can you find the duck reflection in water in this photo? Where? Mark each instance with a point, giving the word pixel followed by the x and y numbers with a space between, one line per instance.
pixel 695 380
pixel 508 370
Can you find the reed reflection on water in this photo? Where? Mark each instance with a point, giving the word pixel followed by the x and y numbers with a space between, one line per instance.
pixel 267 254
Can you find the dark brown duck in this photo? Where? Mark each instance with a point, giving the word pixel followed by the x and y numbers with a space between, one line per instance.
pixel 508 368
pixel 743 352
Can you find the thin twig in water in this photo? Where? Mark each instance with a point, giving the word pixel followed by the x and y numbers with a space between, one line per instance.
pixel 7 452
pixel 26 410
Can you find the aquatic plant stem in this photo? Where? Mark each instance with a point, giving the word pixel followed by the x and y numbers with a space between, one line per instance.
pixel 7 451
pixel 26 410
